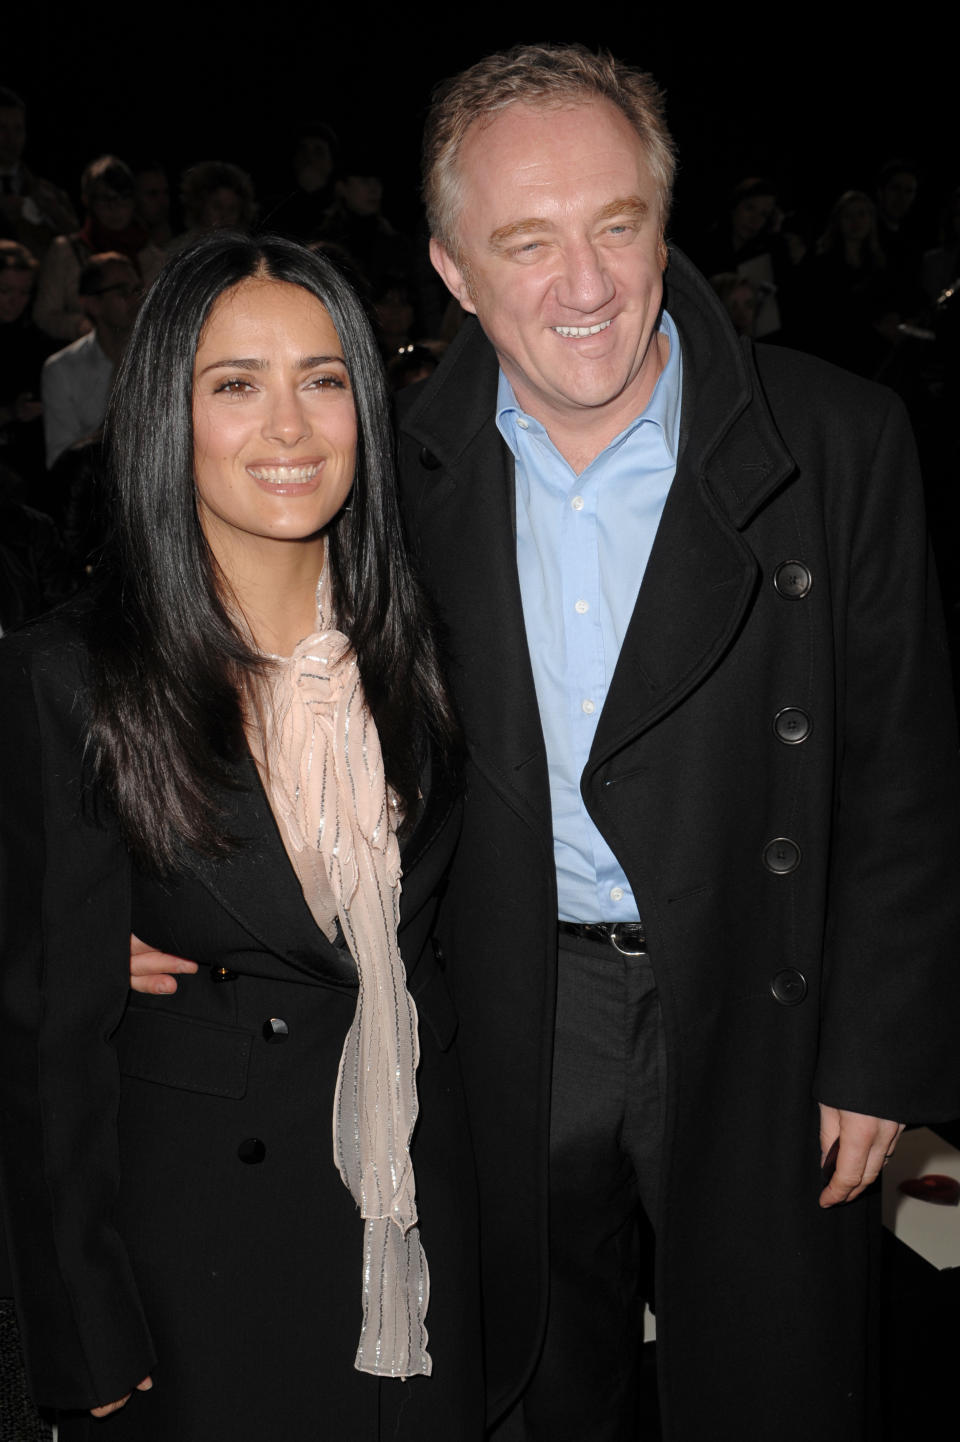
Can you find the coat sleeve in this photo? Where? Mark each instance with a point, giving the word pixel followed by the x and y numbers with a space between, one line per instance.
pixel 64 928
pixel 890 1039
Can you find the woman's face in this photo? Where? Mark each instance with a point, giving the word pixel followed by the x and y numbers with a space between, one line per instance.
pixel 16 288
pixel 856 220
pixel 111 209
pixel 751 215
pixel 274 423
pixel 222 209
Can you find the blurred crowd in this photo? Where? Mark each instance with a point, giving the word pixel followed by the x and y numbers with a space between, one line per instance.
pixel 870 286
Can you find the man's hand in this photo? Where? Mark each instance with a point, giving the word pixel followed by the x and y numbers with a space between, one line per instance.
pixel 154 974
pixel 865 1145
pixel 109 1407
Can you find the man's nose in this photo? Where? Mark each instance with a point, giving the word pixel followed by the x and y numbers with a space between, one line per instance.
pixel 586 284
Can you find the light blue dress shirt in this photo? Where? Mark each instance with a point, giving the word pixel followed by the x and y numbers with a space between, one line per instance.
pixel 583 543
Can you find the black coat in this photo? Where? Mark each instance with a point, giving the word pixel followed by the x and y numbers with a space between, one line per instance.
pixel 168 1168
pixel 775 770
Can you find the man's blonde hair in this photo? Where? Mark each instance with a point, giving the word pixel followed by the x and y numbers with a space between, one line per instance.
pixel 535 75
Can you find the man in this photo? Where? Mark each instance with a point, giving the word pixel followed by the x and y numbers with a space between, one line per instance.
pixel 737 754
pixel 76 381
pixel 32 210
pixel 733 784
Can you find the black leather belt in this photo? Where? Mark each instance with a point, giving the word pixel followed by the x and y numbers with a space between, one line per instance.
pixel 627 937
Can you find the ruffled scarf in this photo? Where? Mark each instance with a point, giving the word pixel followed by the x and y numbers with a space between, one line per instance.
pixel 323 772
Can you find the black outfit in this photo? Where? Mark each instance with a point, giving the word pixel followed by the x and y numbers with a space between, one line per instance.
pixel 775 769
pixel 168 1174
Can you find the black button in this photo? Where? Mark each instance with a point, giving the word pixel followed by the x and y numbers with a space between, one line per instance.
pixel 789 986
pixel 792 579
pixel 428 460
pixel 791 725
pixel 781 855
pixel 275 1029
pixel 222 973
pixel 251 1151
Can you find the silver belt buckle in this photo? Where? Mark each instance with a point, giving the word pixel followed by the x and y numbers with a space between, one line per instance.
pixel 638 936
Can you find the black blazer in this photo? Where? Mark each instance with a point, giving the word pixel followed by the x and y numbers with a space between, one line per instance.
pixel 170 1190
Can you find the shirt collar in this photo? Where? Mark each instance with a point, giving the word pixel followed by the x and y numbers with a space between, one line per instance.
pixel 662 409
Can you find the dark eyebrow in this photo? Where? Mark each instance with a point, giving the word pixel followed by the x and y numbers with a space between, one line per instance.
pixel 253 363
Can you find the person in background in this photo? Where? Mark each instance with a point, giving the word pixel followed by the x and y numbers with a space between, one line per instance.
pixel 76 381
pixel 23 349
pixel 110 224
pixel 32 211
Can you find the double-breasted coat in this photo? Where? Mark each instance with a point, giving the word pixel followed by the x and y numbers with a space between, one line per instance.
pixel 168 1172
pixel 775 770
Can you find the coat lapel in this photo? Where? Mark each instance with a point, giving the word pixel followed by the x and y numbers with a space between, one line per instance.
pixel 260 889
pixel 702 573
pixel 466 535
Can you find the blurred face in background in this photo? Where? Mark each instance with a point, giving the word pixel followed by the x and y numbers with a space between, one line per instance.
pixel 222 209
pixel 16 288
pixel 110 208
pixel 13 135
pixel 153 197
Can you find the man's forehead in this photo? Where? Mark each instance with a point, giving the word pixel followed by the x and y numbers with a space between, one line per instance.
pixel 582 148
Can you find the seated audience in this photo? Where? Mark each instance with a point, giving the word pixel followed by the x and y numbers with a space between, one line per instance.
pixel 851 312
pixel 23 349
pixel 32 210
pixel 299 213
pixel 77 380
pixel 215 195
pixel 110 225
pixel 152 191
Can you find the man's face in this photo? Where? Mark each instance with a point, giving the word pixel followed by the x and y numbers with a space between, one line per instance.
pixel 118 299
pixel 13 135
pixel 561 258
pixel 153 197
pixel 898 194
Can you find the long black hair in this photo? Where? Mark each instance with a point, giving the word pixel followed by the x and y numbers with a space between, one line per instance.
pixel 167 659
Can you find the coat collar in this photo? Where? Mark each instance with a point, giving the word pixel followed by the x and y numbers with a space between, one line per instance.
pixel 259 888
pixel 701 573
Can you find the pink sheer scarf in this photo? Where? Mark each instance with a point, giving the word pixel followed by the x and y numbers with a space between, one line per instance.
pixel 323 772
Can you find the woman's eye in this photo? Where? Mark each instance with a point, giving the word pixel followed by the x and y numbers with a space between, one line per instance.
pixel 233 387
pixel 328 382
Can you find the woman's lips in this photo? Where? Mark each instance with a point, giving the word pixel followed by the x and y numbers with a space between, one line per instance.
pixel 286 479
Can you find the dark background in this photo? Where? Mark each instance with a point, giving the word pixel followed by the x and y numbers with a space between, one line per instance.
pixel 790 93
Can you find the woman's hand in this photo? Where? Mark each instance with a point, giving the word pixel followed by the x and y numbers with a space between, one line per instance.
pixel 109 1407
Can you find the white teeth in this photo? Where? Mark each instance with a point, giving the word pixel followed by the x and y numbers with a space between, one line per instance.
pixel 576 330
pixel 280 475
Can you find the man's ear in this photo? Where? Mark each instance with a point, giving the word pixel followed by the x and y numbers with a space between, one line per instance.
pixel 451 275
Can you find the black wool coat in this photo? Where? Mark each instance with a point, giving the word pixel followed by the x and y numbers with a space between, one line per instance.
pixel 775 768
pixel 170 1192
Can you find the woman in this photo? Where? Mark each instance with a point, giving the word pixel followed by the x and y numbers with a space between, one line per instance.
pixel 182 1233
pixel 107 190
pixel 852 309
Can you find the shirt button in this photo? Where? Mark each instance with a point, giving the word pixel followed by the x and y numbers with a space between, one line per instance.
pixel 616 894
pixel 582 607
pixel 587 707
pixel 577 503
pixel 523 423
